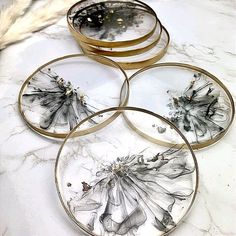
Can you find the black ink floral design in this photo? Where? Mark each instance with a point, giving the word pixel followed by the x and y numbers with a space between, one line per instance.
pixel 127 192
pixel 198 109
pixel 108 19
pixel 62 104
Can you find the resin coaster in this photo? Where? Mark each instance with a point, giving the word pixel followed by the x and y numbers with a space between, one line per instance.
pixel 191 98
pixel 127 51
pixel 116 182
pixel 59 94
pixel 145 59
pixel 112 23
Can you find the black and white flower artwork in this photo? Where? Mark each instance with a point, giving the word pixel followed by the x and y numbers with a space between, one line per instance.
pixel 58 101
pixel 192 99
pixel 116 181
pixel 109 20
pixel 199 109
pixel 131 192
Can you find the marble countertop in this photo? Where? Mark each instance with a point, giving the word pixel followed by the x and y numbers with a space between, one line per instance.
pixel 203 33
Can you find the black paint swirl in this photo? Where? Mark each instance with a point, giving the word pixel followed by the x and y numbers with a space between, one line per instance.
pixel 61 103
pixel 198 109
pixel 127 192
pixel 106 20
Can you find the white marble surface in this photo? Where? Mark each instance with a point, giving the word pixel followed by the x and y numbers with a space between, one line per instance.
pixel 203 33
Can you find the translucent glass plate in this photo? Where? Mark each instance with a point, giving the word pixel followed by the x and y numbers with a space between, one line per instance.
pixel 59 94
pixel 192 98
pixel 115 181
pixel 112 23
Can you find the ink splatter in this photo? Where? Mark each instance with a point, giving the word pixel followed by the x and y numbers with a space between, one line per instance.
pixel 60 101
pixel 106 20
pixel 128 191
pixel 198 109
pixel 86 186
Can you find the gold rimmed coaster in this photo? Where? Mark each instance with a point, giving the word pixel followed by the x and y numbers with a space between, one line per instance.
pixel 60 93
pixel 115 173
pixel 193 99
pixel 145 59
pixel 111 23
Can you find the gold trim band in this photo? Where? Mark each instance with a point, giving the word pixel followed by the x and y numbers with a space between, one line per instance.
pixel 73 133
pixel 123 101
pixel 191 67
pixel 80 37
pixel 140 64
pixel 122 53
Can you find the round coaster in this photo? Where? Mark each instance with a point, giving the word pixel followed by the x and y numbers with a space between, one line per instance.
pixel 193 99
pixel 127 51
pixel 116 182
pixel 62 92
pixel 111 23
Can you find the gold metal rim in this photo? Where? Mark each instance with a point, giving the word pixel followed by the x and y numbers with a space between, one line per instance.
pixel 63 135
pixel 214 78
pixel 120 110
pixel 125 53
pixel 144 63
pixel 80 37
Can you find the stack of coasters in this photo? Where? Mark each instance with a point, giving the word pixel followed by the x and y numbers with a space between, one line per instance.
pixel 129 32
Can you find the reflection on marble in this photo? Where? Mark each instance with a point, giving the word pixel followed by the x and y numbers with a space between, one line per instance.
pixel 204 34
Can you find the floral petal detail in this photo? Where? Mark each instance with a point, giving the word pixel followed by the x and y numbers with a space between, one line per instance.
pixel 127 191
pixel 60 102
